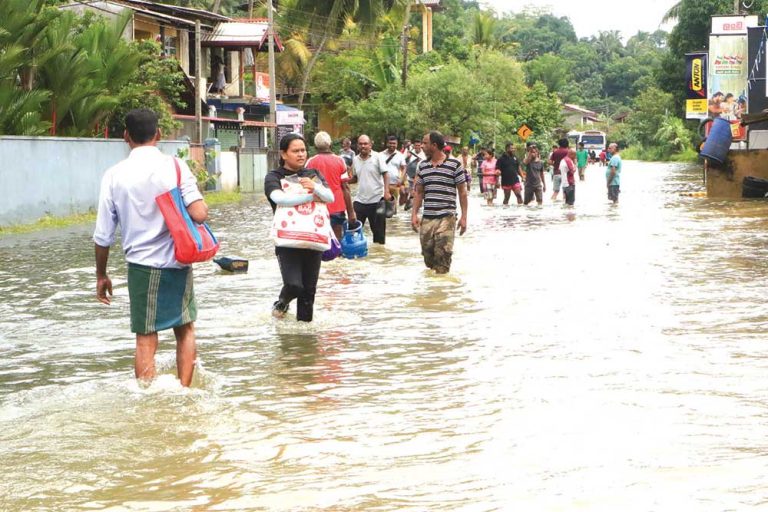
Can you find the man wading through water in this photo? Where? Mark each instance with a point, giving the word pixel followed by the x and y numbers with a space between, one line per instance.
pixel 159 288
pixel 437 182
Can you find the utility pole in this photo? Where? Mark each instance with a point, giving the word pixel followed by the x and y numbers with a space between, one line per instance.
pixel 405 54
pixel 198 85
pixel 272 84
pixel 736 6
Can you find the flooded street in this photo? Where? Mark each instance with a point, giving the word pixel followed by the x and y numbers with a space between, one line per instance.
pixel 597 358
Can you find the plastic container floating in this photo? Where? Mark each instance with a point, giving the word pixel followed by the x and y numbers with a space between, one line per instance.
pixel 232 263
pixel 353 242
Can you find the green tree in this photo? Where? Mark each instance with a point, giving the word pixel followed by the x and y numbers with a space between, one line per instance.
pixel 539 32
pixel 673 134
pixel 156 83
pixel 437 98
pixel 320 22
pixel 650 109
pixel 85 78
pixel 23 24
pixel 553 71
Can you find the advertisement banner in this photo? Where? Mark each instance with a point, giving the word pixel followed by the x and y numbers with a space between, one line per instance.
pixel 722 25
pixel 727 81
pixel 696 86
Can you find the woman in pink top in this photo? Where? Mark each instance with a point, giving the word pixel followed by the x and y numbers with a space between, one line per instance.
pixel 490 176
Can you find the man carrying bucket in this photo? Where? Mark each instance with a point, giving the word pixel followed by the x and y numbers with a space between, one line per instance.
pixel 437 182
pixel 159 288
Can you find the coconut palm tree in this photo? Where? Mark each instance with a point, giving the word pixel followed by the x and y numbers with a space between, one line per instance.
pixel 323 21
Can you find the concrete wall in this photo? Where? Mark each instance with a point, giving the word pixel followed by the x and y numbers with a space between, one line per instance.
pixel 56 176
pixel 228 177
pixel 726 183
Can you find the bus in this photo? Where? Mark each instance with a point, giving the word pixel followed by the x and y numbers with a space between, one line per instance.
pixel 573 137
pixel 593 140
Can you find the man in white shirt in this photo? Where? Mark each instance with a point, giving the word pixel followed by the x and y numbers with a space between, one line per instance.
pixel 160 289
pixel 395 163
pixel 372 178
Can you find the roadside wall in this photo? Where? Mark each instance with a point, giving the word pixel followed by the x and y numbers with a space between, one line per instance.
pixel 56 176
pixel 726 183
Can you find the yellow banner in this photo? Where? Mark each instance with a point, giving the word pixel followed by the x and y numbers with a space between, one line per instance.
pixel 696 108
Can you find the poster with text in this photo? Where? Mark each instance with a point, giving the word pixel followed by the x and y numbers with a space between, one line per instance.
pixel 727 81
pixel 696 86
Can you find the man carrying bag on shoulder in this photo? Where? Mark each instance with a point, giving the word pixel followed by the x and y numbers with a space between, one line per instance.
pixel 159 287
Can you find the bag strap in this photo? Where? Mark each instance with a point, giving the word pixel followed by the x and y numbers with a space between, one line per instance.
pixel 391 157
pixel 178 171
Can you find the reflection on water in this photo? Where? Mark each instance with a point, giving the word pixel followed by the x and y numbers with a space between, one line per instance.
pixel 594 358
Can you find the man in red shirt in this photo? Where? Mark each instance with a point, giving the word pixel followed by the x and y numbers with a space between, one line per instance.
pixel 557 155
pixel 334 170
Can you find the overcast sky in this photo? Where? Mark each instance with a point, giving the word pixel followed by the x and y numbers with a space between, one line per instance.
pixel 591 16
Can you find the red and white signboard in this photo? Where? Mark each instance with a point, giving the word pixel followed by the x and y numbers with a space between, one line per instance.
pixel 732 24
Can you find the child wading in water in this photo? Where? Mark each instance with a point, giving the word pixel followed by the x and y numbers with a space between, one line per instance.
pixel 490 176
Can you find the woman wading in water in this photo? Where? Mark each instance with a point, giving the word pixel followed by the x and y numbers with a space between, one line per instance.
pixel 300 268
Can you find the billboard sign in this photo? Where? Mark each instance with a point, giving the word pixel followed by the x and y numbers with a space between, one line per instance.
pixel 696 86
pixel 724 25
pixel 727 81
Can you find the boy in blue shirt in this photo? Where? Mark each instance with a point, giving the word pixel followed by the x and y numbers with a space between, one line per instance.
pixel 613 174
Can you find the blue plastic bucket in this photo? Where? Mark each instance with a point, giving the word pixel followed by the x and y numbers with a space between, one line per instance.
pixel 353 242
pixel 718 141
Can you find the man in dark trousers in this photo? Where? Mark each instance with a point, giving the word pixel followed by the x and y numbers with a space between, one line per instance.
pixel 509 166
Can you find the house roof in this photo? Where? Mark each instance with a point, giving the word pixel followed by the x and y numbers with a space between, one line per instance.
pixel 243 33
pixel 118 6
pixel 187 13
pixel 433 4
pixel 576 108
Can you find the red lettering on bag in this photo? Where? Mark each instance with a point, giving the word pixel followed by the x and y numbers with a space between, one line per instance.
pixel 306 208
pixel 319 221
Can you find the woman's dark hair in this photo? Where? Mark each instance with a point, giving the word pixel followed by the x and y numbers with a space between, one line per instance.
pixel 286 141
pixel 141 125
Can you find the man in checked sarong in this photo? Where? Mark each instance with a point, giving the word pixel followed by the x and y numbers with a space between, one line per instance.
pixel 159 288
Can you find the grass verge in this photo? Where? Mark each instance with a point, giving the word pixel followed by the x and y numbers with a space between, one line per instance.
pixel 53 222
pixel 49 222
pixel 219 198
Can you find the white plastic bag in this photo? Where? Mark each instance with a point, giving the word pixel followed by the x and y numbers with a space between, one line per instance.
pixel 305 226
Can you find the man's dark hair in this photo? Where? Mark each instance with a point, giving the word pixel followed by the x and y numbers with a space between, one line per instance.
pixel 141 124
pixel 437 138
pixel 581 144
pixel 391 138
pixel 508 145
pixel 563 143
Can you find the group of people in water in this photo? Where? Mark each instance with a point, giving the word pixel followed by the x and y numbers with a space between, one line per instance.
pixel 526 178
pixel 423 178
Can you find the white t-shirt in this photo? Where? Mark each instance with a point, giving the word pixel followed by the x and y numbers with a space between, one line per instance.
pixel 564 170
pixel 127 199
pixel 370 178
pixel 393 167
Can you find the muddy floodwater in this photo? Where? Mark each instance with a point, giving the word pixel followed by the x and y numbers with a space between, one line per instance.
pixel 597 358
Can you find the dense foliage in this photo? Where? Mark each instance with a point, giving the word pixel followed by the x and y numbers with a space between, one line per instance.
pixel 488 74
pixel 71 75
